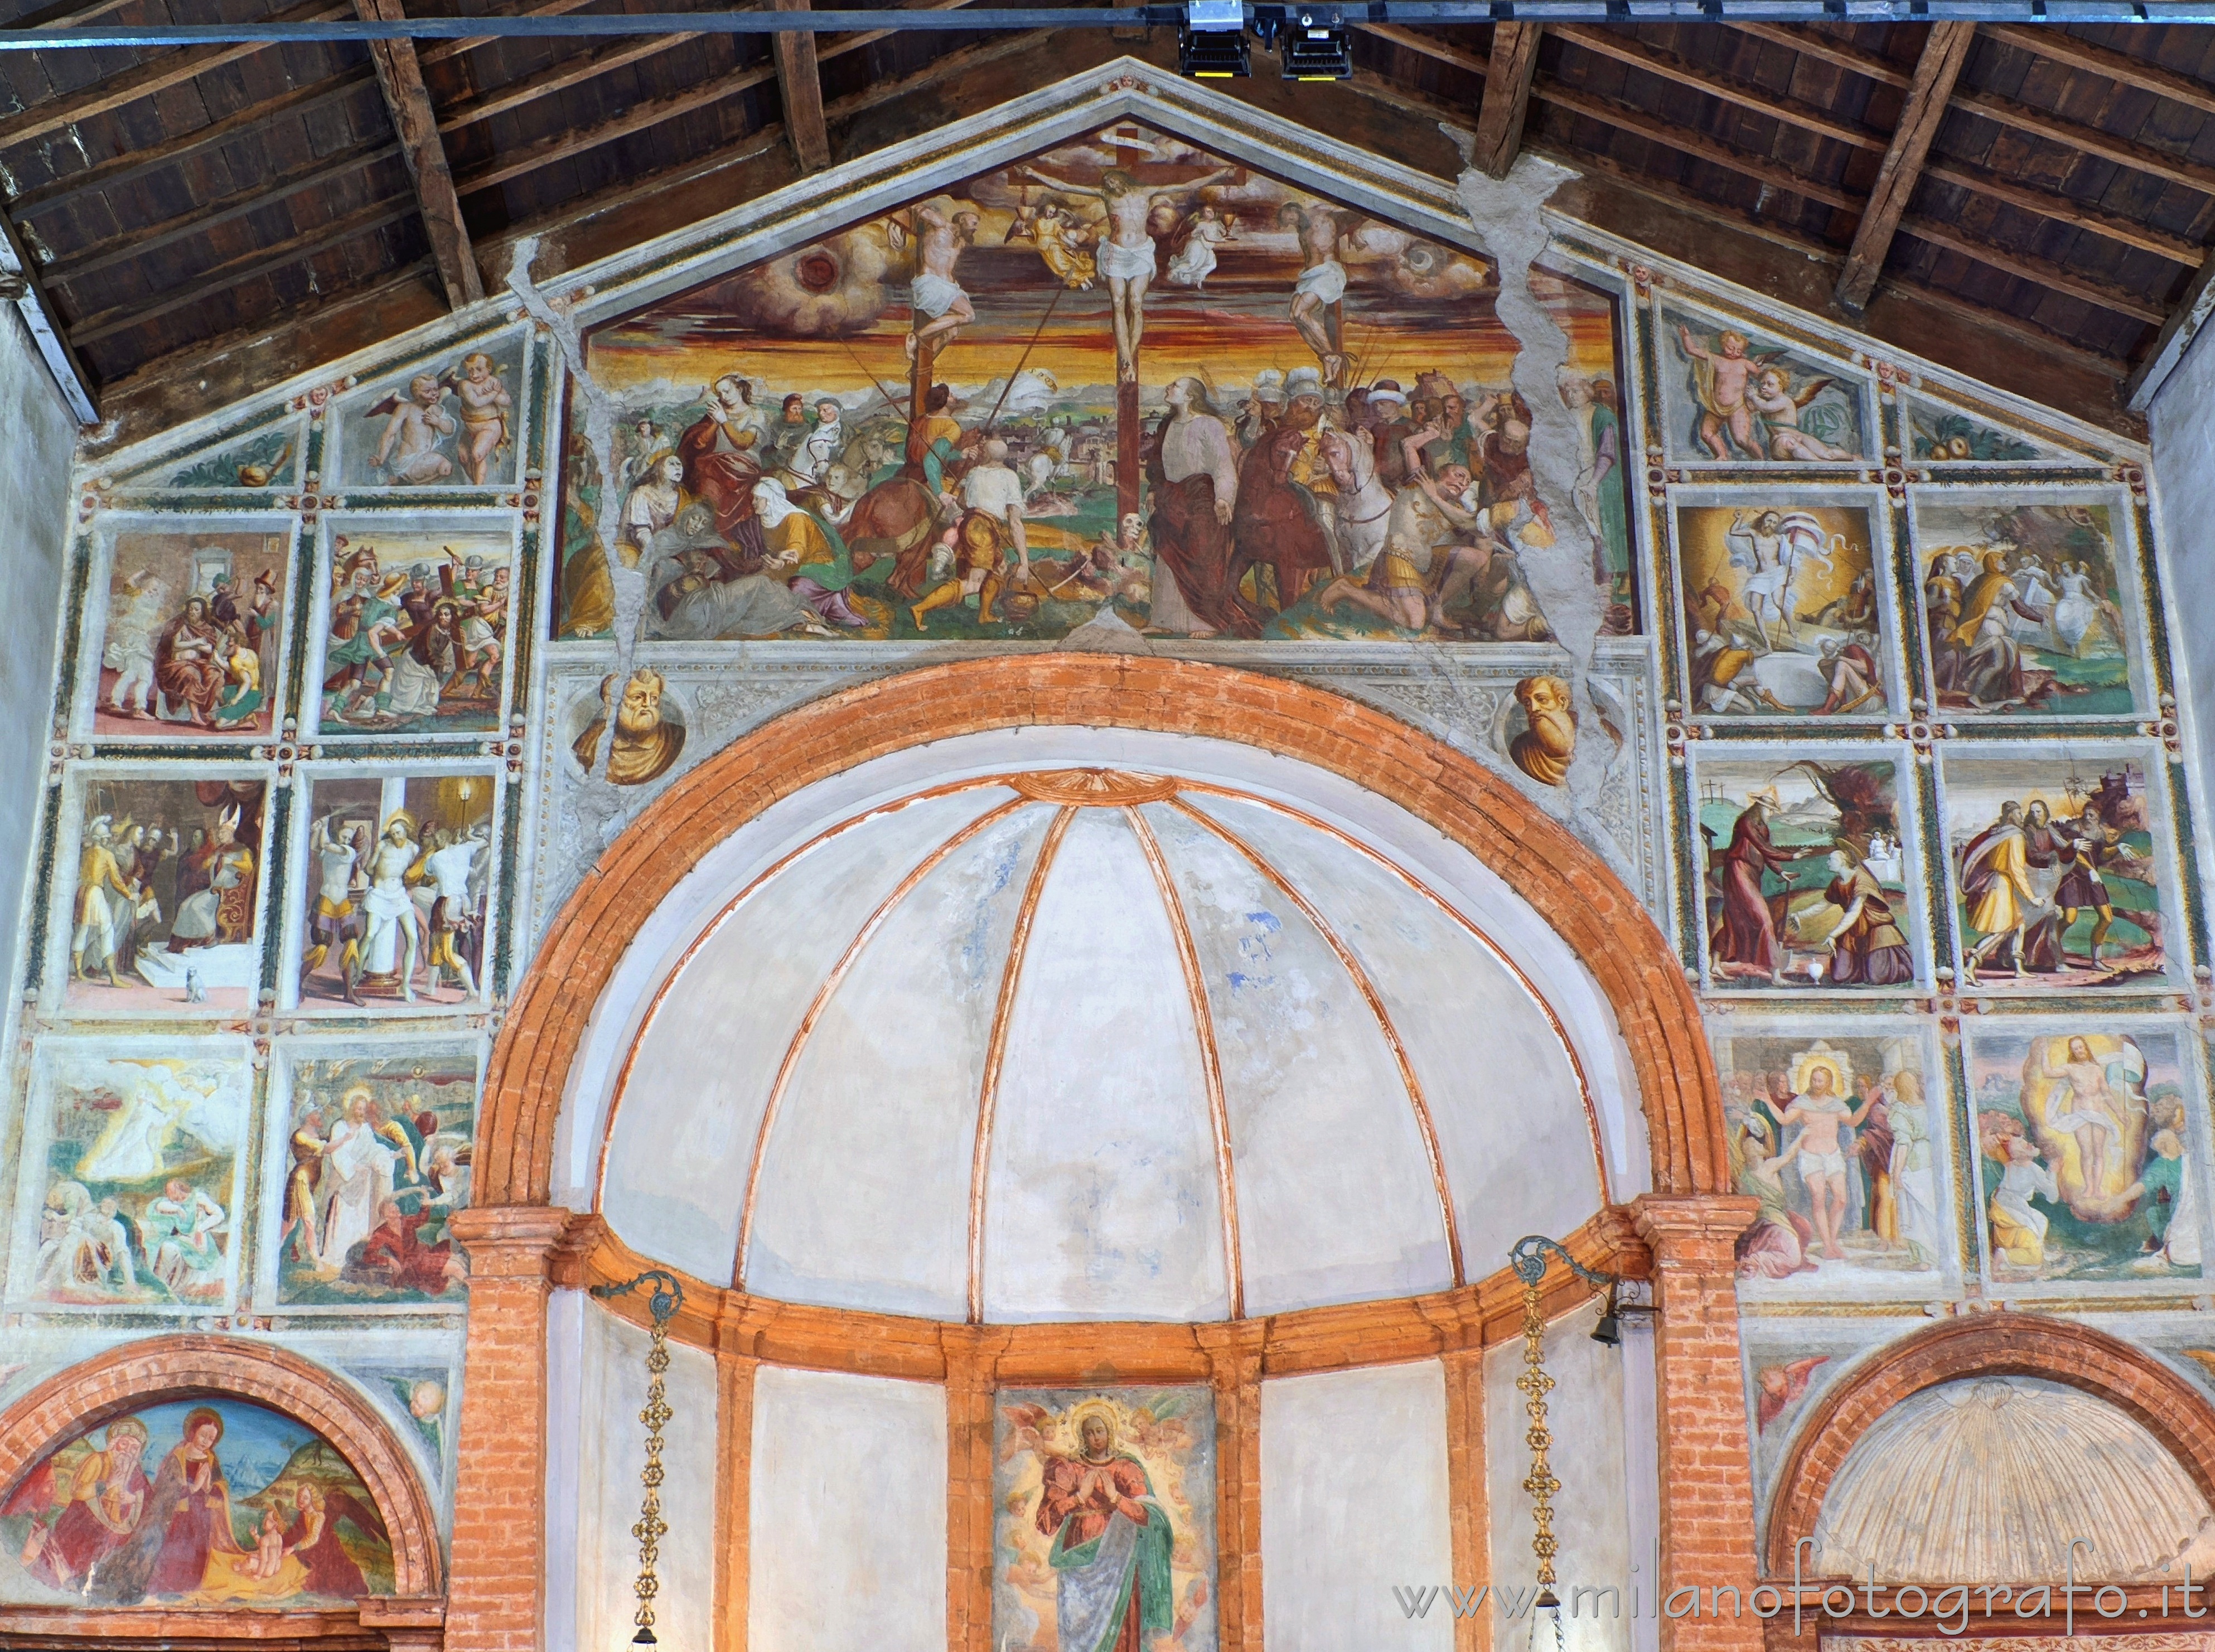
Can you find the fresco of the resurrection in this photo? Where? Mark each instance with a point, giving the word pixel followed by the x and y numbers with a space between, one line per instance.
pixel 1122 376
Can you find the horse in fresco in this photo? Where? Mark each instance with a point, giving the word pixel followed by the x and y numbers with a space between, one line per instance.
pixel 1365 504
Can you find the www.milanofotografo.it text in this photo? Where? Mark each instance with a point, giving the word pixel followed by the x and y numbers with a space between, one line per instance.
pixel 1947 1608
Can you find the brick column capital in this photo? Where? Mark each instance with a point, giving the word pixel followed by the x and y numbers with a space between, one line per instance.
pixel 1696 1232
pixel 511 1241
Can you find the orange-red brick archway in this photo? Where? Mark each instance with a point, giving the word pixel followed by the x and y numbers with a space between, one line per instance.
pixel 163 1369
pixel 1988 1345
pixel 1570 886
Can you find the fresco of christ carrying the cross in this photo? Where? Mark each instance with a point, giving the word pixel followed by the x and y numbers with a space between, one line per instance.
pixel 1125 380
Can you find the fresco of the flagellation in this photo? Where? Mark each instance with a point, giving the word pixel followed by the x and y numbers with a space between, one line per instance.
pixel 1805 871
pixel 399 869
pixel 1783 610
pixel 1122 376
pixel 204 1503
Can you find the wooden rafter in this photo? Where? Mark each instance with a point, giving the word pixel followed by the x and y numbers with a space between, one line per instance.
pixel 416 123
pixel 2118 66
pixel 1944 49
pixel 1506 96
pixel 1629 49
pixel 800 89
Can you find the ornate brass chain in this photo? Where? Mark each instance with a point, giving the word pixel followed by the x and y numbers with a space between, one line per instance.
pixel 1536 1386
pixel 668 1297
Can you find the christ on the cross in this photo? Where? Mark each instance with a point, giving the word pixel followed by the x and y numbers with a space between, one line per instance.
pixel 1127 256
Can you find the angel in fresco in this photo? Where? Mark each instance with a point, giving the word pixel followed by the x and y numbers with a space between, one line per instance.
pixel 414 426
pixel 1192 251
pixel 1064 244
pixel 1773 397
pixel 485 404
pixel 1127 256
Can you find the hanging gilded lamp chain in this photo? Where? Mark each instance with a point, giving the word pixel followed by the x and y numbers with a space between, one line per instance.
pixel 668 1297
pixel 1536 1386
pixel 1528 1259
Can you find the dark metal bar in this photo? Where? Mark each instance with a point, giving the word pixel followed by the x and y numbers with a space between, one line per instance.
pixel 984 19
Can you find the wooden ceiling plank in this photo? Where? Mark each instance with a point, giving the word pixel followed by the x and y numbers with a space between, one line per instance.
pixel 2119 66
pixel 1506 99
pixel 2062 210
pixel 157 74
pixel 1945 48
pixel 2043 271
pixel 2088 140
pixel 799 91
pixel 639 117
pixel 559 76
pixel 250 267
pixel 1685 141
pixel 1809 44
pixel 1628 50
pixel 430 51
pixel 400 75
pixel 152 238
pixel 136 163
pixel 1425 46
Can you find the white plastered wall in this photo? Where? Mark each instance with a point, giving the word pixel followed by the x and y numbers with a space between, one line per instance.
pixel 2184 478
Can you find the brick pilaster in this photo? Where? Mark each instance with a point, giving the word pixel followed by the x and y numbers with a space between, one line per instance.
pixel 1706 1461
pixel 496 1589
pixel 970 1356
pixel 1471 1500
pixel 1234 1362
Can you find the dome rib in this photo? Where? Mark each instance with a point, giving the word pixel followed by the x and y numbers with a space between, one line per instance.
pixel 1499 955
pixel 988 1093
pixel 816 1005
pixel 1352 966
pixel 1210 1060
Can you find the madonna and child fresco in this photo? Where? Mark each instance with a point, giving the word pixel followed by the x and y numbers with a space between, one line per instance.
pixel 203 1503
pixel 1123 376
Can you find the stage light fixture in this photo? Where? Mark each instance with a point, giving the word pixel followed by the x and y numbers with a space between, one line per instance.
pixel 1212 41
pixel 1313 43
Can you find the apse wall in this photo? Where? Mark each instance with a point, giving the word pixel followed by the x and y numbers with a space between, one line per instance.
pixel 1715 659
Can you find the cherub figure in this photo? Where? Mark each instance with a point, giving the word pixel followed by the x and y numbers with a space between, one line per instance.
pixel 1772 397
pixel 414 427
pixel 1193 252
pixel 485 403
pixel 1721 378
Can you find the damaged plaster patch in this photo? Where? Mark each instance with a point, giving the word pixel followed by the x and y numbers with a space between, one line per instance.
pixel 1505 213
pixel 600 806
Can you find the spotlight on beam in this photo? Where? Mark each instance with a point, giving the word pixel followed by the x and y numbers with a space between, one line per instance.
pixel 1211 43
pixel 1311 42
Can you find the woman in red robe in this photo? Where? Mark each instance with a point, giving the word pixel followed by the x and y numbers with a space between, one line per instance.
pixel 313 1539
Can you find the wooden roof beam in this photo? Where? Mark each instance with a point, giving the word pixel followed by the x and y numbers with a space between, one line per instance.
pixel 400 74
pixel 1627 49
pixel 1703 147
pixel 1506 96
pixel 1944 49
pixel 799 90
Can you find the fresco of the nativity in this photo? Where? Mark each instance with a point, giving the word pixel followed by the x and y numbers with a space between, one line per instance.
pixel 1120 377
pixel 216 1502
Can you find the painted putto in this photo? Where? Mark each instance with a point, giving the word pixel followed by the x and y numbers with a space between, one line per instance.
pixel 1124 378
pixel 216 1502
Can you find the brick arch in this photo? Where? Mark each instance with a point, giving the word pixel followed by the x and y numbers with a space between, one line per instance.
pixel 1570 886
pixel 163 1369
pixel 1988 1345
